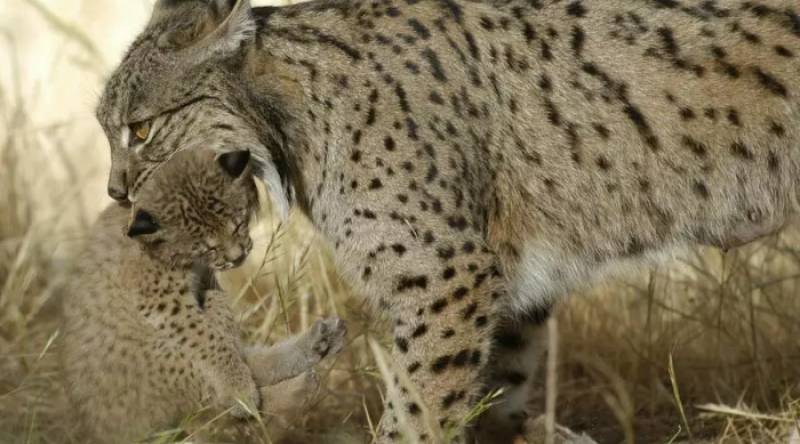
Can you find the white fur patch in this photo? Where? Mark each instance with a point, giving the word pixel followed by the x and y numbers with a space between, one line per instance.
pixel 546 273
pixel 272 180
pixel 125 137
pixel 238 27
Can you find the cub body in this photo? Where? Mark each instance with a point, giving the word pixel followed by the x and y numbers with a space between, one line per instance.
pixel 148 343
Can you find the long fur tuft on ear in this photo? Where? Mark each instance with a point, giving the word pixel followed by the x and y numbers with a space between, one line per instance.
pixel 238 27
pixel 205 29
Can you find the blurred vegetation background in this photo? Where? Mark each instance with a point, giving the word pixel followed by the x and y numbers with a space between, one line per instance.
pixel 706 348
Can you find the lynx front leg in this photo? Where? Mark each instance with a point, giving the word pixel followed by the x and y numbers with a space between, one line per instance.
pixel 440 301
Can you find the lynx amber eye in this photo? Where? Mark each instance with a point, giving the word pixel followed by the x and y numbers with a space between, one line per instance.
pixel 140 131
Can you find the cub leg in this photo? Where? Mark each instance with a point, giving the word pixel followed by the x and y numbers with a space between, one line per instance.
pixel 291 397
pixel 518 349
pixel 217 354
pixel 290 357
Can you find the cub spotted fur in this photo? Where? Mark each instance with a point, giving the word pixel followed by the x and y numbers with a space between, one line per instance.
pixel 471 162
pixel 147 343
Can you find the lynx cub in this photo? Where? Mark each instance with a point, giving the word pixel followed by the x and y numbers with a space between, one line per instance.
pixel 149 343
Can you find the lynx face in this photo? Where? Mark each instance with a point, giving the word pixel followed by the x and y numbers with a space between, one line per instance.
pixel 179 88
pixel 196 208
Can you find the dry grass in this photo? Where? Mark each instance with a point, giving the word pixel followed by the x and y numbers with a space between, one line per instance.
pixel 707 348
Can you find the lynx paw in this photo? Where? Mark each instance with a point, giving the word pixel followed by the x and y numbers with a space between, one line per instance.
pixel 328 336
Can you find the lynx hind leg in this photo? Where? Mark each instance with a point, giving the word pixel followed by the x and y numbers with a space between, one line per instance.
pixel 519 346
pixel 293 356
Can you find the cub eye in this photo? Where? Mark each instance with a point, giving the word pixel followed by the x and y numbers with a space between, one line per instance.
pixel 140 132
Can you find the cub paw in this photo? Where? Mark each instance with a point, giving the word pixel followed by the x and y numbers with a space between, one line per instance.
pixel 292 396
pixel 328 336
pixel 243 399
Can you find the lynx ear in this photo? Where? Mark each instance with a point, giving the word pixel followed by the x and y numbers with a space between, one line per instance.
pixel 143 223
pixel 213 27
pixel 239 26
pixel 234 162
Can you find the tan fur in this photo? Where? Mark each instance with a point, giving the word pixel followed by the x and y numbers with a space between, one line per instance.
pixel 147 343
pixel 471 162
pixel 191 188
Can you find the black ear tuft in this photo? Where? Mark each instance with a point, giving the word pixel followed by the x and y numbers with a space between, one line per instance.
pixel 143 223
pixel 234 162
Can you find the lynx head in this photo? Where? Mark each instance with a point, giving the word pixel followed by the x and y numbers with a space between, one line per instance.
pixel 195 208
pixel 180 86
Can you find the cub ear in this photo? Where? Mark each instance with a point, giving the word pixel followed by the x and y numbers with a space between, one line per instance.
pixel 143 223
pixel 234 162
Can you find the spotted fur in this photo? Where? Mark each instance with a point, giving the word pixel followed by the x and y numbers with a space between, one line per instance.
pixel 192 207
pixel 146 343
pixel 470 162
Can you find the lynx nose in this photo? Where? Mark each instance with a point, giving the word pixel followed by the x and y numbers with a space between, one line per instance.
pixel 118 194
pixel 117 188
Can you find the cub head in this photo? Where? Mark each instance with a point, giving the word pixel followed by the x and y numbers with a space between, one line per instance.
pixel 195 208
pixel 182 86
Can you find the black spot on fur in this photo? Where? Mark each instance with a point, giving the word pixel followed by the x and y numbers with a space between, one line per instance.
pixel 461 358
pixel 419 331
pixel 401 343
pixel 439 305
pixel 733 117
pixel 441 363
pixel 695 146
pixel 576 9
pixel 741 150
pixel 472 45
pixel 469 311
pixel 769 82
pixel 420 29
pixel 578 40
pixel 436 66
pixel 700 189
pixel 460 293
pixel 409 282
